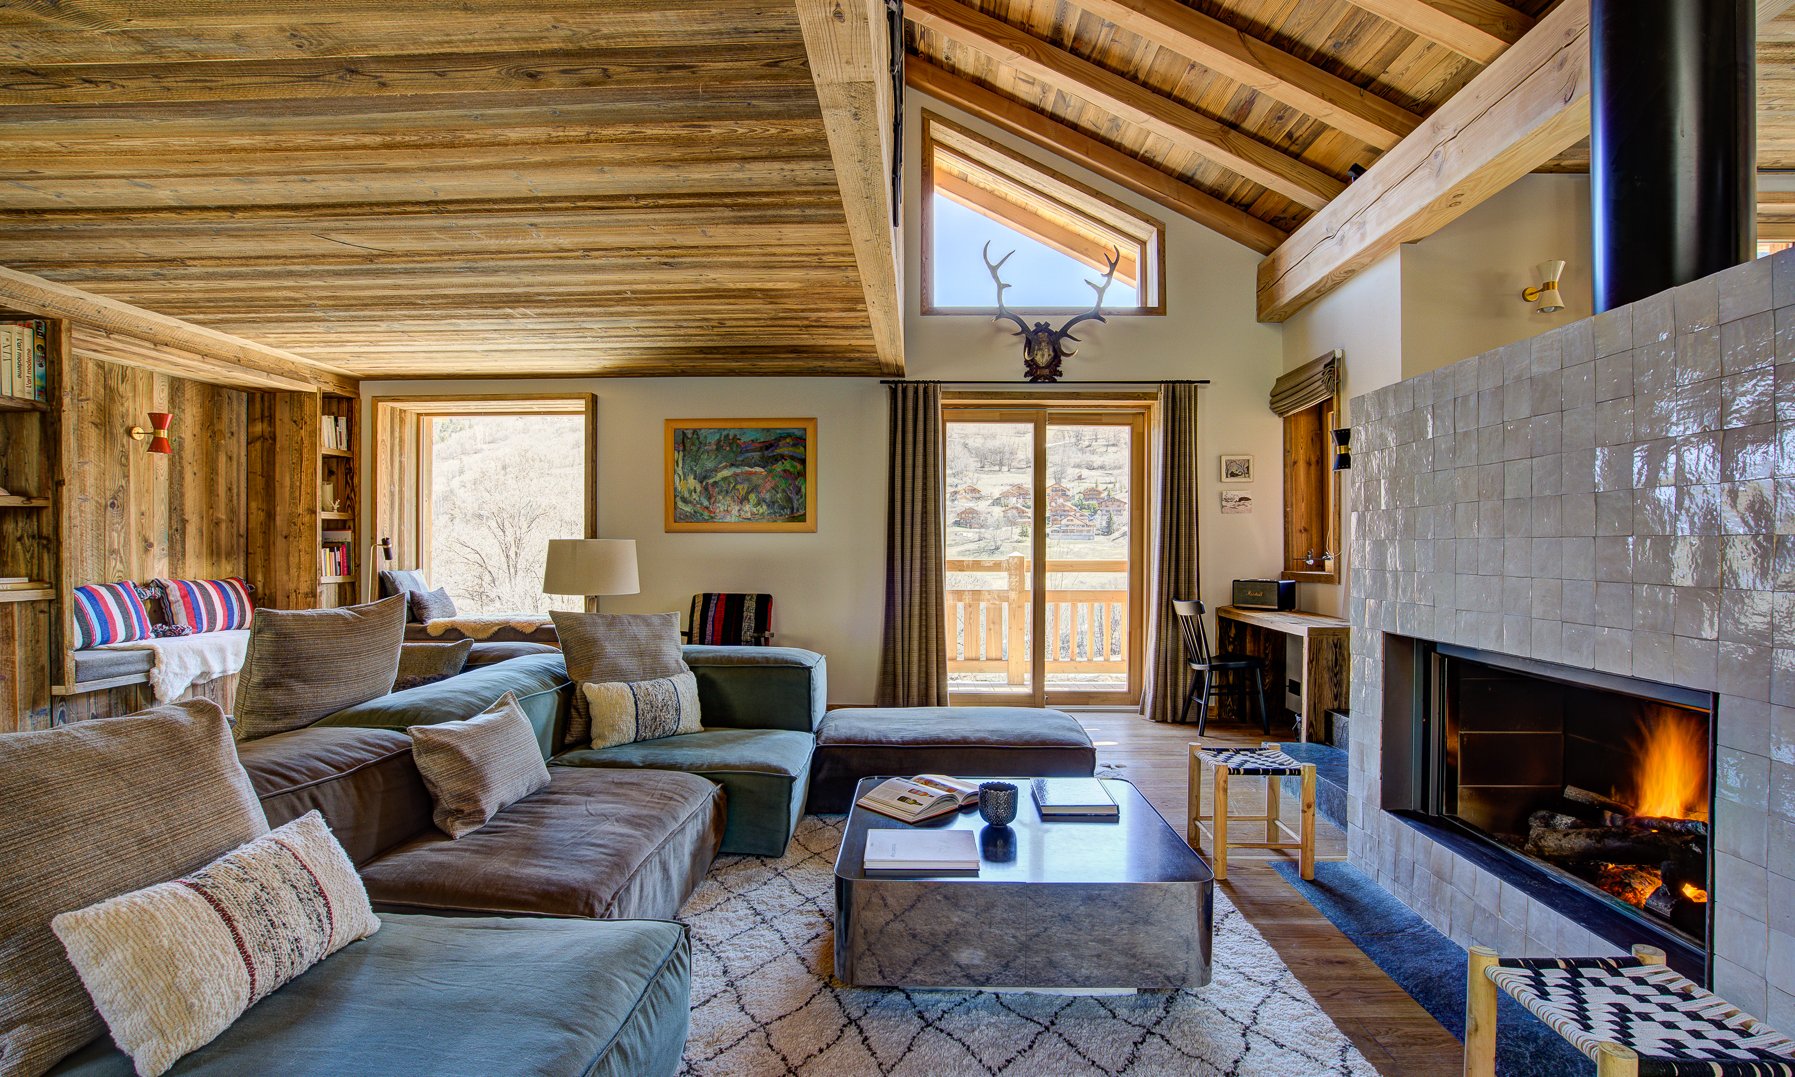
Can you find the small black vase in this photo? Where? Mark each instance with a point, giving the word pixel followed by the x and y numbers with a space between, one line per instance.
pixel 997 803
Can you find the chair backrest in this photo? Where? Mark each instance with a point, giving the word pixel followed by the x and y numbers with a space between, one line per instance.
pixel 721 618
pixel 1190 626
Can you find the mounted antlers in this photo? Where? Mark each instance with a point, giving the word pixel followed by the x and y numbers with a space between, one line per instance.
pixel 1043 347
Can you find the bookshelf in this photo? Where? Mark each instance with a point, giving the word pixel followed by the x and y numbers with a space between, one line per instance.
pixel 339 502
pixel 29 444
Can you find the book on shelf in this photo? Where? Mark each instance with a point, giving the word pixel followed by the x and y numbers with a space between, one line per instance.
pixel 335 431
pixel 935 851
pixel 24 358
pixel 1073 798
pixel 335 561
pixel 922 797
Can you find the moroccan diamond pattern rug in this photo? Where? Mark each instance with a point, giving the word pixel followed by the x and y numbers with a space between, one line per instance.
pixel 764 1000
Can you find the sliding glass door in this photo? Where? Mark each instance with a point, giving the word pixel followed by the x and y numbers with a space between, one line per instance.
pixel 1055 486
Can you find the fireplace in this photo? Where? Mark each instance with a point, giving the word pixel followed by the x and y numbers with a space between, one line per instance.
pixel 1587 785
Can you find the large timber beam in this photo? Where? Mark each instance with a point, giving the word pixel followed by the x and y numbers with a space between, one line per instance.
pixel 191 351
pixel 1517 114
pixel 849 45
pixel 1099 157
pixel 1771 10
pixel 1479 29
pixel 1260 66
pixel 1183 127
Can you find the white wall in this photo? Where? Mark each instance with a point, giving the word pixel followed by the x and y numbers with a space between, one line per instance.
pixel 830 584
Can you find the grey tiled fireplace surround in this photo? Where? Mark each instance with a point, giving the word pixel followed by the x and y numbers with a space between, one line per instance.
pixel 1617 494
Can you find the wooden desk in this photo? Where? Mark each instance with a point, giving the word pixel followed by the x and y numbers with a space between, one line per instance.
pixel 1326 669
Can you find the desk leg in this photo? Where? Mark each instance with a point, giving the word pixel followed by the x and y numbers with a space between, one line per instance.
pixel 1305 699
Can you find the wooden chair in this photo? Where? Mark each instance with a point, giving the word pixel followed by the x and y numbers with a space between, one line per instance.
pixel 1267 761
pixel 728 619
pixel 1201 661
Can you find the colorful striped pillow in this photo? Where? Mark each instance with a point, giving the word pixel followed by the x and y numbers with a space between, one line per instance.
pixel 207 605
pixel 109 613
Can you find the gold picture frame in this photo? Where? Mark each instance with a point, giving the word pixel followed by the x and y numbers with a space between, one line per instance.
pixel 740 475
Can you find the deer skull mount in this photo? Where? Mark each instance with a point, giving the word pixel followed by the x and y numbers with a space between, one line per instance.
pixel 1043 346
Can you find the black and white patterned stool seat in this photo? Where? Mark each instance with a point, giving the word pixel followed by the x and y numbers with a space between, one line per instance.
pixel 1676 1027
pixel 1252 760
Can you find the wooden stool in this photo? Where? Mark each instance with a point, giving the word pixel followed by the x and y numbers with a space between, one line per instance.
pixel 1630 1015
pixel 1269 762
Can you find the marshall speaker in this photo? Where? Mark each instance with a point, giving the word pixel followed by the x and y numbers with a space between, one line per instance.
pixel 1265 594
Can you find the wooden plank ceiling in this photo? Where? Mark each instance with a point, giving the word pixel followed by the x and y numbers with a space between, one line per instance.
pixel 1251 107
pixel 414 188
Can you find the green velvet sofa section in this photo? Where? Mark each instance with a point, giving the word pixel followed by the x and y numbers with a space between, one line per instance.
pixel 760 687
pixel 538 680
pixel 429 996
pixel 765 774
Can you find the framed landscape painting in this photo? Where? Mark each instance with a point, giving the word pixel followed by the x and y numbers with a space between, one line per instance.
pixel 741 475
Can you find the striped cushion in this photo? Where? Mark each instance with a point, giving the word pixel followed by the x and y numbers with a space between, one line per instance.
pixel 109 613
pixel 642 710
pixel 207 605
pixel 729 620
pixel 608 648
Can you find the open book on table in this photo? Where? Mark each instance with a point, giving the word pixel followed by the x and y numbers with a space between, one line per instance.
pixel 922 797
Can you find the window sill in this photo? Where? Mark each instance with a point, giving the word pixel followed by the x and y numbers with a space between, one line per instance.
pixel 1313 577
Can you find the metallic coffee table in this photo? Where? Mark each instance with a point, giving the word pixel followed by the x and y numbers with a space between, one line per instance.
pixel 1060 904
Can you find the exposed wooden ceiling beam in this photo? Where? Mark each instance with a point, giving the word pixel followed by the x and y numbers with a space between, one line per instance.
pixel 1521 111
pixel 1182 126
pixel 1771 10
pixel 848 42
pixel 1104 160
pixel 1260 66
pixel 233 360
pixel 1479 29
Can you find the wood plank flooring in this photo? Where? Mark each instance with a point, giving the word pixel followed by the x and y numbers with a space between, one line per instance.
pixel 1392 1031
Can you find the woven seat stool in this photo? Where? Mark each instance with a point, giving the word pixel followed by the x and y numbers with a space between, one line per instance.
pixel 1267 761
pixel 1634 1016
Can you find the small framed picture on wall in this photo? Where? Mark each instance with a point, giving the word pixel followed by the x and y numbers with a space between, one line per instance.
pixel 1237 467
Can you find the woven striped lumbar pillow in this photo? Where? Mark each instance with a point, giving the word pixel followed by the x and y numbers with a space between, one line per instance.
pixel 207 605
pixel 625 712
pixel 171 966
pixel 109 613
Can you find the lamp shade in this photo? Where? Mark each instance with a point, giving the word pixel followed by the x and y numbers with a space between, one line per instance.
pixel 1550 302
pixel 591 567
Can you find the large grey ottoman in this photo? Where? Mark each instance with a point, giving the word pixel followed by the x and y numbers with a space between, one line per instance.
pixel 864 742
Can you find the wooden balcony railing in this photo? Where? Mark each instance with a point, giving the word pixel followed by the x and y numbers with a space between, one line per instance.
pixel 988 627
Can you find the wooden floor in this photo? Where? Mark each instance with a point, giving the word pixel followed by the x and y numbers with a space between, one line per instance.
pixel 1393 1032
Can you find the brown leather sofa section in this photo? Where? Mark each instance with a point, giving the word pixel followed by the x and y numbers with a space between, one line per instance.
pixel 362 780
pixel 616 844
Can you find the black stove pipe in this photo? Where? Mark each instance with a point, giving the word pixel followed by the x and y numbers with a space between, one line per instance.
pixel 1673 146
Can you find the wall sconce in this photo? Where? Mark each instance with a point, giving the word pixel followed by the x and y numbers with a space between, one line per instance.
pixel 1343 449
pixel 157 433
pixel 1546 294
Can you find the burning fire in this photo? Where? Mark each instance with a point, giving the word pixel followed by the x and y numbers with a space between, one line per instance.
pixel 1695 893
pixel 1671 780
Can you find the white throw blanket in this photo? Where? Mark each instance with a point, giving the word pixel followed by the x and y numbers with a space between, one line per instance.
pixel 184 661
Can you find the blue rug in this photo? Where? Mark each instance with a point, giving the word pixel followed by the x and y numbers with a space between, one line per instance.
pixel 1430 967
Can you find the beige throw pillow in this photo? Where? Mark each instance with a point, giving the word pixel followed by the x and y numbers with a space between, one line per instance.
pixel 642 710
pixel 476 767
pixel 611 648
pixel 88 811
pixel 171 966
pixel 305 664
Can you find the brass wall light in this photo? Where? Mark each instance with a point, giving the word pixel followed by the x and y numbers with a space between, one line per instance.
pixel 1545 296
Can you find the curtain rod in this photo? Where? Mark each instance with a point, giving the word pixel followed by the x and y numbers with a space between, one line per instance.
pixel 1056 384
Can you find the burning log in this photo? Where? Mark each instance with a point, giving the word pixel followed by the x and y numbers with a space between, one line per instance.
pixel 1658 822
pixel 1554 820
pixel 1609 844
pixel 1596 800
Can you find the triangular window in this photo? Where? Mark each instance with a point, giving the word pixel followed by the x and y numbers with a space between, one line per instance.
pixel 1062 234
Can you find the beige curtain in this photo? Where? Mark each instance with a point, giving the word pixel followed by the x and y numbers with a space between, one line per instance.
pixel 1174 551
pixel 913 657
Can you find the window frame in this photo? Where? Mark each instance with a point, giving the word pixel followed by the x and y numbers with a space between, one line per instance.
pixel 1051 185
pixel 1308 466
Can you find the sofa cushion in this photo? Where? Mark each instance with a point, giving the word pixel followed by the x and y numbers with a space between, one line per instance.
pixel 89 811
pixel 760 687
pixel 172 965
pixel 431 996
pixel 108 613
pixel 536 681
pixel 486 653
pixel 429 606
pixel 402 582
pixel 477 767
pixel 364 781
pixel 765 773
pixel 1027 742
pixel 599 843
pixel 207 605
pixel 607 648
pixel 104 663
pixel 427 663
pixel 626 712
pixel 305 664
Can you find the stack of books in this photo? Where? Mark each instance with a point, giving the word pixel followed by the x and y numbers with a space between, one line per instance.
pixel 335 432
pixel 19 583
pixel 335 561
pixel 25 359
pixel 932 852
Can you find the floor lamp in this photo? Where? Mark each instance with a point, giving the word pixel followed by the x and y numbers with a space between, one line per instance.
pixel 591 567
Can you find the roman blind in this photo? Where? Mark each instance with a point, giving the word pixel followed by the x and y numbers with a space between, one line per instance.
pixel 1307 385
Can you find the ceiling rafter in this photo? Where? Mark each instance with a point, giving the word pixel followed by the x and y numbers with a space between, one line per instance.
pixel 1478 29
pixel 1182 126
pixel 1261 67
pixel 1082 149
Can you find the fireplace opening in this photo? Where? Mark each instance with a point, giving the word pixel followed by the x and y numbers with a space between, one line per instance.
pixel 1603 781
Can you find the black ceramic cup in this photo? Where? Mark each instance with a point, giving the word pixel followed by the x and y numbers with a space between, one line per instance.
pixel 997 803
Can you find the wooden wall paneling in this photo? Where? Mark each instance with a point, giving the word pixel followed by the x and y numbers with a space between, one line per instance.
pixel 207 530
pixel 130 698
pixel 24 666
pixel 281 484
